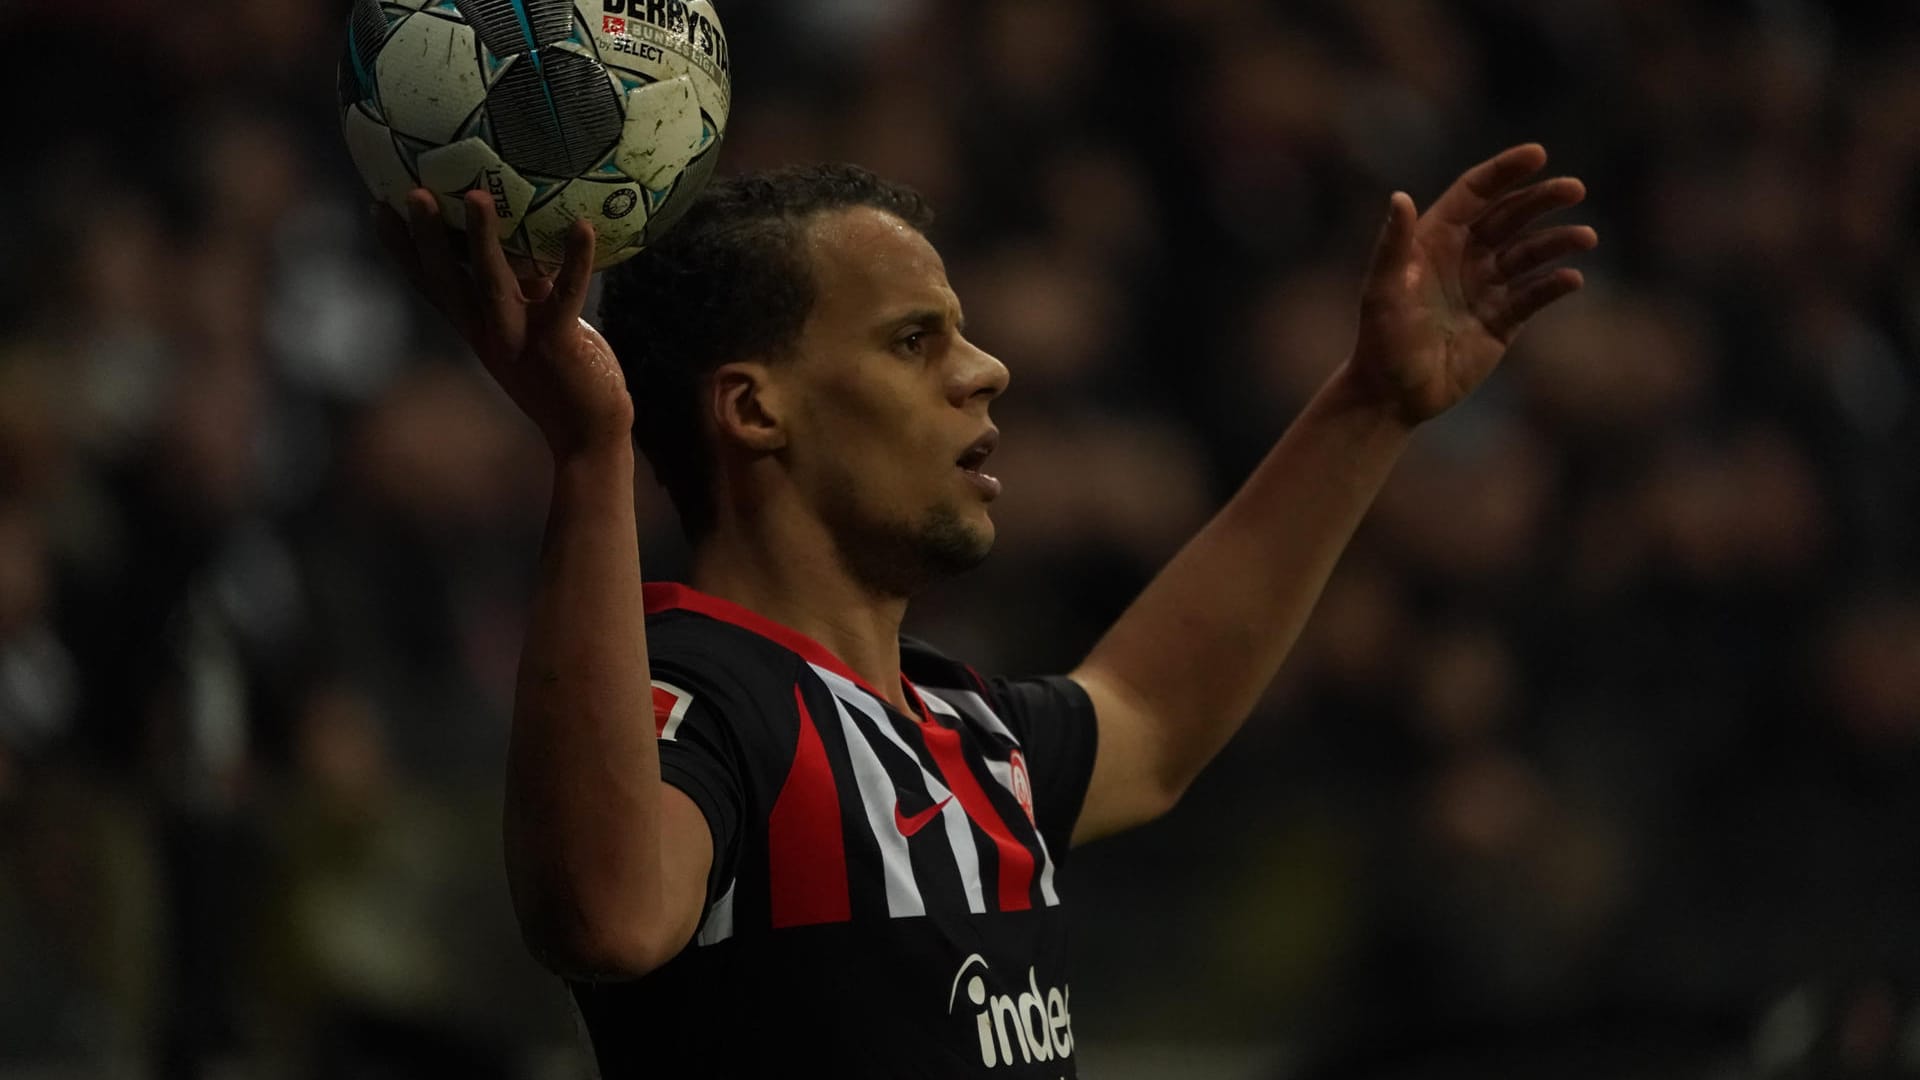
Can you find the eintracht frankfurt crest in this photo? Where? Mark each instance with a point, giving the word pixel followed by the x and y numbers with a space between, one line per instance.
pixel 1022 786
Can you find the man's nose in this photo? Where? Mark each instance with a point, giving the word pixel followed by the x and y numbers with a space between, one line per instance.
pixel 979 374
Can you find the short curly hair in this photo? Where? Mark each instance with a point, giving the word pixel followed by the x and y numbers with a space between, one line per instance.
pixel 732 279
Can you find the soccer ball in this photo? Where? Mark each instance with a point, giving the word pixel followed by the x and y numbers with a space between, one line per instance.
pixel 609 110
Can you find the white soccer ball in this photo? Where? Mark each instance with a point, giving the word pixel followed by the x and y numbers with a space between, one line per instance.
pixel 608 110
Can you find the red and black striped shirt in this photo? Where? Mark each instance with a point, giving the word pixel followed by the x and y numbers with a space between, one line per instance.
pixel 885 897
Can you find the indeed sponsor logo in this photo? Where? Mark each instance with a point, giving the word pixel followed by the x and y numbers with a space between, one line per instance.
pixel 1036 1025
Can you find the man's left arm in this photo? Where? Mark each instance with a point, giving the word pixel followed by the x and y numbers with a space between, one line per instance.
pixel 1175 677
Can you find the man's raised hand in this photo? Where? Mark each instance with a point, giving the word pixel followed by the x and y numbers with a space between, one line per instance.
pixel 1449 289
pixel 528 332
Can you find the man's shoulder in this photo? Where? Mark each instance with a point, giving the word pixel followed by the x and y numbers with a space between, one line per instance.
pixel 717 655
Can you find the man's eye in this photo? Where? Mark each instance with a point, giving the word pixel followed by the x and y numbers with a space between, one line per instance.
pixel 914 343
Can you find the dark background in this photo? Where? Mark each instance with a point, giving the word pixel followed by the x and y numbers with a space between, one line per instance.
pixel 1599 757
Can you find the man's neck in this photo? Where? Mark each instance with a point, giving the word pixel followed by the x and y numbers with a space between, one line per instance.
pixel 804 587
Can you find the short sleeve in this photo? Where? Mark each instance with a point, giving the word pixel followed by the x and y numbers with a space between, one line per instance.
pixel 1053 719
pixel 698 756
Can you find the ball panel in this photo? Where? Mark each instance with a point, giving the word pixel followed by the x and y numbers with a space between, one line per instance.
pixel 430 78
pixel 618 211
pixel 452 171
pixel 370 144
pixel 580 36
pixel 717 98
pixel 410 151
pixel 510 27
pixel 493 65
pixel 366 32
pixel 552 20
pixel 558 121
pixel 663 132
pixel 686 188
pixel 353 89
pixel 578 41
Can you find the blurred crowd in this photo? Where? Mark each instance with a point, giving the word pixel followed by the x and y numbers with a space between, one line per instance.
pixel 1601 755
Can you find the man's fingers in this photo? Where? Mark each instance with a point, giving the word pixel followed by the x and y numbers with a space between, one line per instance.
pixel 1394 249
pixel 576 273
pixel 445 283
pixel 1479 186
pixel 1531 295
pixel 1535 250
pixel 497 285
pixel 1517 210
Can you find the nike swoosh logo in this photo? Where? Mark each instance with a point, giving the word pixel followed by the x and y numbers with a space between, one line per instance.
pixel 910 825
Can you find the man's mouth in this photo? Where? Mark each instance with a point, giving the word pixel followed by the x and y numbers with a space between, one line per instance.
pixel 982 449
pixel 975 458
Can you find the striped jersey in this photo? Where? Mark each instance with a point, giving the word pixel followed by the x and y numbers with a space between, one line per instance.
pixel 885 899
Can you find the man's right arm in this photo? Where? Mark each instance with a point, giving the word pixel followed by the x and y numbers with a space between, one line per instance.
pixel 607 865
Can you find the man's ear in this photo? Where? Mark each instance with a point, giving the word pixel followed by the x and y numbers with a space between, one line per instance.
pixel 745 400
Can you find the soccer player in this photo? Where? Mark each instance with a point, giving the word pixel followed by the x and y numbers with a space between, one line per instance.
pixel 758 831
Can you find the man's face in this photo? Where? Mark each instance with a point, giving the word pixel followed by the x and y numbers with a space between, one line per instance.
pixel 890 423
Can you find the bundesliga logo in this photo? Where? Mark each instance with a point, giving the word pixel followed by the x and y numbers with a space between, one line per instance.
pixel 1038 1027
